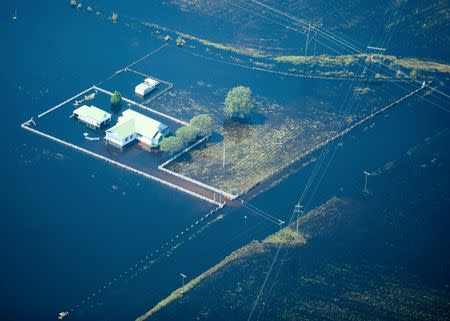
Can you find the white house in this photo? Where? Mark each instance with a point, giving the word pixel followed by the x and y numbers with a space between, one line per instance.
pixel 92 116
pixel 135 126
pixel 147 86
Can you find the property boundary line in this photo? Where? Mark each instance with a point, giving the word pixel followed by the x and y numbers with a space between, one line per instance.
pixel 341 134
pixel 26 124
pixel 304 154
pixel 65 102
pixel 169 85
pixel 211 188
pixel 147 76
pixel 185 150
pixel 178 121
pixel 146 56
pixel 130 65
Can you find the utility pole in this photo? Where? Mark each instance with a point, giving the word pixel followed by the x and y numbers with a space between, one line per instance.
pixel 308 32
pixel 365 182
pixel 182 281
pixel 298 211
pixel 223 156
pixel 309 38
pixel 370 56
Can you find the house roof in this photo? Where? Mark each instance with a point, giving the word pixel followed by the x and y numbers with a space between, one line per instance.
pixel 133 122
pixel 92 112
pixel 124 129
pixel 142 87
pixel 151 82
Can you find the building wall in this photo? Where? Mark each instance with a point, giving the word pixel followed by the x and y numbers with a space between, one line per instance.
pixel 111 139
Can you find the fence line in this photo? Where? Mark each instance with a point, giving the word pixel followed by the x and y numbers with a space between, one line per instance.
pixel 178 121
pixel 209 187
pixel 148 101
pixel 186 178
pixel 185 151
pixel 148 76
pixel 108 160
pixel 146 56
pixel 132 64
pixel 339 135
pixel 65 102
pixel 304 154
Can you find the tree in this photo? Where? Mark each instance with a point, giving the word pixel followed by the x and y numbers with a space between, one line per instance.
pixel 413 74
pixel 239 102
pixel 204 123
pixel 171 144
pixel 187 133
pixel 116 99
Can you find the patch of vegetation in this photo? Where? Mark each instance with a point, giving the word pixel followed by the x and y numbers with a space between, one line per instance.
pixel 116 99
pixel 187 133
pixel 413 74
pixel 239 103
pixel 249 249
pixel 419 64
pixel 322 60
pixel 362 90
pixel 171 144
pixel 204 123
pixel 287 236
pixel 225 47
pixel 199 125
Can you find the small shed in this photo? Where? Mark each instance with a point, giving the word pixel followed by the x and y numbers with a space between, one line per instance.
pixel 92 116
pixel 146 87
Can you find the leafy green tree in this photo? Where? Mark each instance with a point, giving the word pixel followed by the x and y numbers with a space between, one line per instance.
pixel 239 102
pixel 171 144
pixel 204 123
pixel 187 133
pixel 116 99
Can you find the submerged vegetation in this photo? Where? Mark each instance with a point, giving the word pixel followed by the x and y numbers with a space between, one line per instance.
pixel 323 60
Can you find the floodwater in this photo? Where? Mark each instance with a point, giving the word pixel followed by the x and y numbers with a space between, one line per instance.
pixel 386 257
pixel 72 223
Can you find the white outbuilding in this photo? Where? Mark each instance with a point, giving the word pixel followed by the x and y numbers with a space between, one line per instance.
pixel 147 86
pixel 92 116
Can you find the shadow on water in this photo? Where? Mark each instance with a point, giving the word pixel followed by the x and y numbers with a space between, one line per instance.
pixel 255 118
pixel 116 108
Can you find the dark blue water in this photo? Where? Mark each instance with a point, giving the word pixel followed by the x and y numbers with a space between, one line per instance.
pixel 65 229
pixel 71 222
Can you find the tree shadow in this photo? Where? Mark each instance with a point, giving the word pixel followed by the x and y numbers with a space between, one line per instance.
pixel 116 108
pixel 255 118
